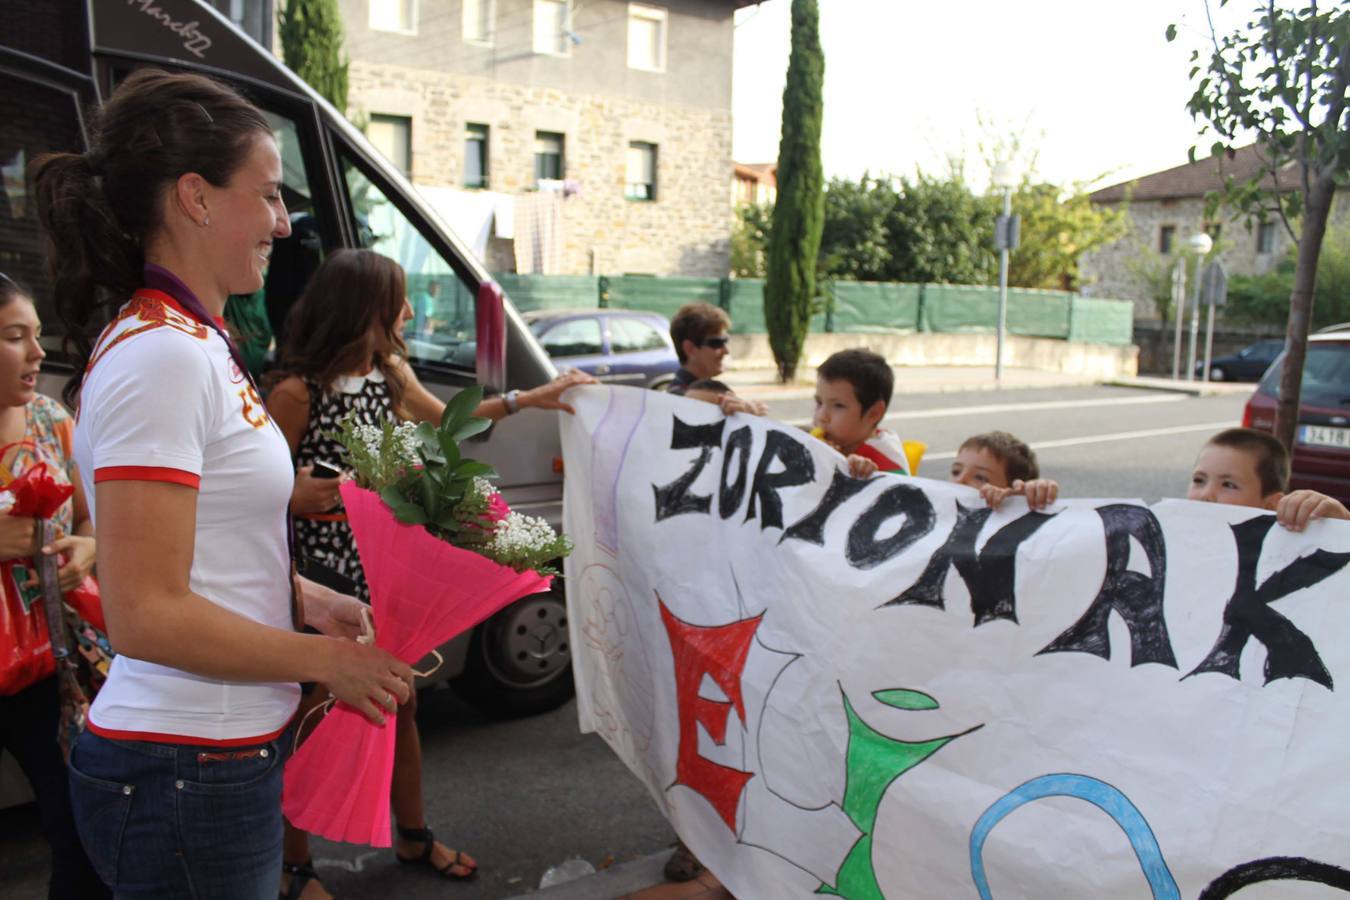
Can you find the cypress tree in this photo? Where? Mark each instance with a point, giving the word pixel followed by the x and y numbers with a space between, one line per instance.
pixel 799 213
pixel 311 46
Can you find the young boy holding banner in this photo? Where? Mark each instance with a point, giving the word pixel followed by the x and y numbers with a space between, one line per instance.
pixel 1245 467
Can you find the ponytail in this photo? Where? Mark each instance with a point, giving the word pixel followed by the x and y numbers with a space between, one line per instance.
pixel 93 263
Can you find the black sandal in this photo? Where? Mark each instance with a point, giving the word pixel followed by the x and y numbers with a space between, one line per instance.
pixel 301 875
pixel 425 837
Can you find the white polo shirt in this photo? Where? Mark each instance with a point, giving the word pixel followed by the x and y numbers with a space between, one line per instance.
pixel 163 400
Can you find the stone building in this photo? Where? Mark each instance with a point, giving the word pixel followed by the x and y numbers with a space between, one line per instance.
pixel 1165 210
pixel 615 116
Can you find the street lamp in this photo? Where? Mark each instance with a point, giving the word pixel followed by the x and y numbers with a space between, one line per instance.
pixel 1200 244
pixel 1005 239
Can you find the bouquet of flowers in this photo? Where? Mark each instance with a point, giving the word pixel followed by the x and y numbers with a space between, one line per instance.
pixel 441 551
pixel 419 473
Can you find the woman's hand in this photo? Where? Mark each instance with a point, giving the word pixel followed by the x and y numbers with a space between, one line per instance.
pixel 368 679
pixel 546 396
pixel 78 553
pixel 18 536
pixel 311 495
pixel 331 613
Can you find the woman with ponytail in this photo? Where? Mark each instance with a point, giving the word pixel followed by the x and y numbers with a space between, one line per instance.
pixel 176 783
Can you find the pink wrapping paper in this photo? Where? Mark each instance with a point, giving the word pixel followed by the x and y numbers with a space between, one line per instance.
pixel 424 592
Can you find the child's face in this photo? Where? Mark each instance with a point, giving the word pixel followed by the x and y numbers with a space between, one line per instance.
pixel 1228 475
pixel 841 416
pixel 977 466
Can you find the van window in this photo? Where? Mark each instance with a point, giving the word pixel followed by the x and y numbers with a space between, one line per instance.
pixel 441 330
pixel 35 119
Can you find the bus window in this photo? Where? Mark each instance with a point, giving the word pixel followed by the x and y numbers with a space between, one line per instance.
pixel 441 330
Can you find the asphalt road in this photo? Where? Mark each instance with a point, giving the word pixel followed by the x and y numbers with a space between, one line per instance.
pixel 523 796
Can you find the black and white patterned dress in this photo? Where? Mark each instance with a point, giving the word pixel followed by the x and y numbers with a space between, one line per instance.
pixel 327 539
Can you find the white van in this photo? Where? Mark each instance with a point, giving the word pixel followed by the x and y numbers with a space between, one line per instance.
pixel 59 58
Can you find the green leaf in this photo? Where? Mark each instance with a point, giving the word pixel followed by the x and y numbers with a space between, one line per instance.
pixel 475 425
pixel 462 405
pixel 901 698
pixel 471 468
pixel 404 510
pixel 1171 33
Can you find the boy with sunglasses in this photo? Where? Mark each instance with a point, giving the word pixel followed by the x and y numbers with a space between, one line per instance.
pixel 699 332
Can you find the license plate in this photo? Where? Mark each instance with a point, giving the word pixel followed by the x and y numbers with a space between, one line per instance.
pixel 1324 436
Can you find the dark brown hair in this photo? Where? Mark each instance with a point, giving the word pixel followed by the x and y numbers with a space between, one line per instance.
pixel 711 385
pixel 328 333
pixel 870 375
pixel 694 322
pixel 10 290
pixel 1018 459
pixel 1271 457
pixel 99 208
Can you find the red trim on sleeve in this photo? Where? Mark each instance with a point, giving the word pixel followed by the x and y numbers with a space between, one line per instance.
pixel 148 473
pixel 155 737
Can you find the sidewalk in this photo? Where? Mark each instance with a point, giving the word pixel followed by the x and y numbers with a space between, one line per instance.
pixel 641 879
pixel 762 384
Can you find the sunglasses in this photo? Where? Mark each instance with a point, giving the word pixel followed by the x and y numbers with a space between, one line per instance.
pixel 717 343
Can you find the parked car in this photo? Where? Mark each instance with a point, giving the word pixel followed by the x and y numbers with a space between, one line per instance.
pixel 1248 364
pixel 1322 441
pixel 621 346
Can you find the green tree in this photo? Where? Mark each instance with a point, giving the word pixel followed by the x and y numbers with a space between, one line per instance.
pixel 798 216
pixel 941 232
pixel 750 239
pixel 1282 79
pixel 1264 299
pixel 855 242
pixel 311 46
pixel 1057 229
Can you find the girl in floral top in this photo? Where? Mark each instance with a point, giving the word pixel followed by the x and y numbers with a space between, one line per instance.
pixel 36 429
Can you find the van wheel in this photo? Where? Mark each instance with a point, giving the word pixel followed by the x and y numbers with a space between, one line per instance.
pixel 520 660
pixel 1217 374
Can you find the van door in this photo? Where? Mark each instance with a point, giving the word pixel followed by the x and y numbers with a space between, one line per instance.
pixel 442 335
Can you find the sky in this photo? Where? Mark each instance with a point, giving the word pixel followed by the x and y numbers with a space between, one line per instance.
pixel 1093 88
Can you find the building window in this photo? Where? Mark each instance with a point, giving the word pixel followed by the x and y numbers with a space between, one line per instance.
pixel 646 37
pixel 548 156
pixel 1265 237
pixel 553 27
pixel 478 15
pixel 640 182
pixel 475 155
pixel 1167 237
pixel 394 15
pixel 392 136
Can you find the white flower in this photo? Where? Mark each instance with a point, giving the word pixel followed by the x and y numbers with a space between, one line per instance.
pixel 519 534
pixel 408 444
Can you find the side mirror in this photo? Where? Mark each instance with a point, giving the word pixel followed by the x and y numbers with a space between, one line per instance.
pixel 490 319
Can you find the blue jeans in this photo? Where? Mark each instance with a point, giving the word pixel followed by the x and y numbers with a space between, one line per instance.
pixel 178 820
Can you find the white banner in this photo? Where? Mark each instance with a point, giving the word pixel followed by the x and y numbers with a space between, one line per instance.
pixel 881 688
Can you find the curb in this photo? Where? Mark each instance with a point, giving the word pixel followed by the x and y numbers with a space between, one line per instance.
pixel 1190 388
pixel 608 884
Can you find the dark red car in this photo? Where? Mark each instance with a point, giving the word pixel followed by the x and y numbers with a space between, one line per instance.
pixel 1322 441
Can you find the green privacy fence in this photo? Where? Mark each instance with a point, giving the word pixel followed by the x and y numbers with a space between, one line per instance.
pixel 851 306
